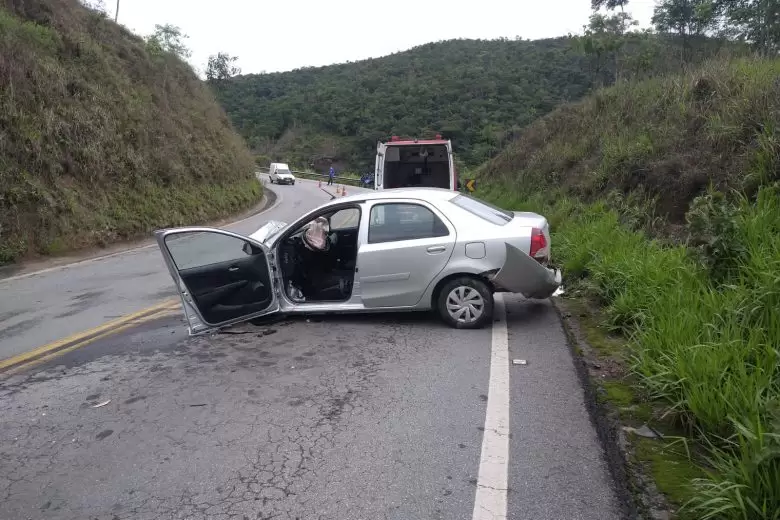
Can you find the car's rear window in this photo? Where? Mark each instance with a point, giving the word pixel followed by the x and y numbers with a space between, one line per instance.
pixel 483 210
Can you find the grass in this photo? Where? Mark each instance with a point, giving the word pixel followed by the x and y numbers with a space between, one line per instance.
pixel 103 141
pixel 703 348
pixel 672 471
pixel 664 202
pixel 669 136
pixel 618 393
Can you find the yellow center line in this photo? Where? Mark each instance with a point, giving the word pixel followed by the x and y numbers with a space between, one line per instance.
pixel 59 347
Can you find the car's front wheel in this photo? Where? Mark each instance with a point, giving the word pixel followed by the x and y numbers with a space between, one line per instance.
pixel 466 303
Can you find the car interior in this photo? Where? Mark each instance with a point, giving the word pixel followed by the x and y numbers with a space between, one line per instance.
pixel 227 277
pixel 410 166
pixel 318 259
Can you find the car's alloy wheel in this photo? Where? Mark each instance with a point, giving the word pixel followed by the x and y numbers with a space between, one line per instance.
pixel 466 303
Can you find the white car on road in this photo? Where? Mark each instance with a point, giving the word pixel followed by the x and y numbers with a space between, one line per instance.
pixel 280 173
pixel 390 250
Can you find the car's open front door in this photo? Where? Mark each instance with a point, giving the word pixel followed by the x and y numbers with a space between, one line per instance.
pixel 222 278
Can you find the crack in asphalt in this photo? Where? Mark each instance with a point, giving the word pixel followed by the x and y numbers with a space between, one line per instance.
pixel 278 422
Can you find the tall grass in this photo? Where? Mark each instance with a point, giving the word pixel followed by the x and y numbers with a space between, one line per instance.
pixel 705 345
pixel 670 135
pixel 101 140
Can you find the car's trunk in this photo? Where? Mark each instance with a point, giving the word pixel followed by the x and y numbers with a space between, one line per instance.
pixel 417 166
pixel 529 219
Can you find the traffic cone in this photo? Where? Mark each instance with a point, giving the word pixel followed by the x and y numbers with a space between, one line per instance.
pixel 320 184
pixel 343 191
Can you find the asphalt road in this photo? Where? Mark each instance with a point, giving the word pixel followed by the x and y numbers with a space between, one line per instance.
pixel 37 310
pixel 358 417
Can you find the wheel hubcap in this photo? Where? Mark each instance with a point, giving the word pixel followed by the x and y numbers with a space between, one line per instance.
pixel 465 304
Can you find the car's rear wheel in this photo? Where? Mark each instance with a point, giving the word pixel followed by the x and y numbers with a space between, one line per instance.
pixel 466 303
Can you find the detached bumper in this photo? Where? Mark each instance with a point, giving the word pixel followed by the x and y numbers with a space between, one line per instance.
pixel 524 275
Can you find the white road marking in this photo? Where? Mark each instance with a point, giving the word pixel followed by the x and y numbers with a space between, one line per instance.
pixel 490 502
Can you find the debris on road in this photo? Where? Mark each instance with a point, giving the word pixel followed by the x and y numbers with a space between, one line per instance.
pixel 644 431
pixel 101 404
pixel 559 291
pixel 519 362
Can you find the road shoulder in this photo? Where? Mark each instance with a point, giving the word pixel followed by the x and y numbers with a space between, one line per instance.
pixel 553 437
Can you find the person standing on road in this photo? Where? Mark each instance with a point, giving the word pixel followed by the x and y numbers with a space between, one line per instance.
pixel 331 175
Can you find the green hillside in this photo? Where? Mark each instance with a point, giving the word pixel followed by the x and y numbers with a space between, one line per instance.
pixel 103 137
pixel 668 137
pixel 478 93
pixel 664 202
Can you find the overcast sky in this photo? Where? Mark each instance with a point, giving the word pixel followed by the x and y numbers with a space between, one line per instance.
pixel 278 35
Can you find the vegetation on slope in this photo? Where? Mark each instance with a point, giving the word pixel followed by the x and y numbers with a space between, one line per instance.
pixel 699 318
pixel 104 137
pixel 667 137
pixel 478 93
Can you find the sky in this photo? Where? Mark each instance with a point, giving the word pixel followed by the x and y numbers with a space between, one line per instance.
pixel 280 35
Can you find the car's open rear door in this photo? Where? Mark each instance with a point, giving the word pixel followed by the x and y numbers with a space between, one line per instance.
pixel 451 164
pixel 222 278
pixel 379 166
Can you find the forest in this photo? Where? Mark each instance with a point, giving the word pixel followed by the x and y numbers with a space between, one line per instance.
pixel 479 93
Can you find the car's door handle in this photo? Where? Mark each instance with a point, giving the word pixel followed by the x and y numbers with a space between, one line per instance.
pixel 436 249
pixel 233 269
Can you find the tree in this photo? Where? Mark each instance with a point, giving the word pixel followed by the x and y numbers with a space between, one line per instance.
pixel 220 66
pixel 686 18
pixel 604 37
pixel 753 21
pixel 611 5
pixel 168 38
pixel 98 6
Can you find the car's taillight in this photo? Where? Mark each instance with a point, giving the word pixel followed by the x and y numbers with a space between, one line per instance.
pixel 538 245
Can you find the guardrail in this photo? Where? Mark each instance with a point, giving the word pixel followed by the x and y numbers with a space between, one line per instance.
pixel 317 176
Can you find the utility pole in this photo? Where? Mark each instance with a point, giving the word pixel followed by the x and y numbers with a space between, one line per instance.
pixel 116 14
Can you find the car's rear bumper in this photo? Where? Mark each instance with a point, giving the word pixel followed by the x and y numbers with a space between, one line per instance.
pixel 524 275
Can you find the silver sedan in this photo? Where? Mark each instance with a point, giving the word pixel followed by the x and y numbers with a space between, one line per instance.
pixel 410 249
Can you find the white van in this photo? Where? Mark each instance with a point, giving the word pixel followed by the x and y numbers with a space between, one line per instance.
pixel 415 163
pixel 280 173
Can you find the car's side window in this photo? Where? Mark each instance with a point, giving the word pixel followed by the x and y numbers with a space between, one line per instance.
pixel 347 218
pixel 393 222
pixel 202 248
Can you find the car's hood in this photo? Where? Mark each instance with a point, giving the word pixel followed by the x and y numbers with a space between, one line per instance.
pixel 285 175
pixel 271 228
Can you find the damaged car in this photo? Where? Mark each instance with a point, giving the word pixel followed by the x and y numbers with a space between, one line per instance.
pixel 410 249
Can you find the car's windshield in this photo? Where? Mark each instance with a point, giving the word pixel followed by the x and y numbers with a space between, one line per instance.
pixel 483 210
